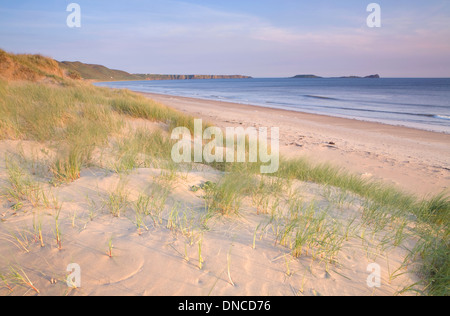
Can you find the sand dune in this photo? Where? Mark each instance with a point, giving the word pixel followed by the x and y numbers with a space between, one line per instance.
pixel 162 259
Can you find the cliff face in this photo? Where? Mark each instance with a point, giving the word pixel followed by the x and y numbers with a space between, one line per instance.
pixel 189 77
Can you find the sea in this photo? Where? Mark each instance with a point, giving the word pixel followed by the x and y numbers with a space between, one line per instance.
pixel 421 103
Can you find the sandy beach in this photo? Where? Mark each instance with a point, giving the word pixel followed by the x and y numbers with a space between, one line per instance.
pixel 134 223
pixel 130 166
pixel 415 160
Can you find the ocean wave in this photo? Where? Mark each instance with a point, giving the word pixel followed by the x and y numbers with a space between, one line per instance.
pixel 442 117
pixel 354 109
pixel 360 109
pixel 319 97
pixel 376 102
pixel 281 103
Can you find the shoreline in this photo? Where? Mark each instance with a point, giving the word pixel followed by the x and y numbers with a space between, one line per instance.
pixel 293 111
pixel 423 126
pixel 415 160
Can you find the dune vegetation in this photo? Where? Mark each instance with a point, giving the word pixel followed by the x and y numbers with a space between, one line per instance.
pixel 54 128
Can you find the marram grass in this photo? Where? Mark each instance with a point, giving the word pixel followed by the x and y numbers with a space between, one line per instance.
pixel 76 118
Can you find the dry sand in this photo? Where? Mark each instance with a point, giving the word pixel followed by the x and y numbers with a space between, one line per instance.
pixel 153 261
pixel 415 160
pixel 160 259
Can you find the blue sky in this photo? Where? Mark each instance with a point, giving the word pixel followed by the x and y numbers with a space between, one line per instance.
pixel 261 38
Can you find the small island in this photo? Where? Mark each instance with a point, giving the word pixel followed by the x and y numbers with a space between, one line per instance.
pixel 306 77
pixel 344 77
pixel 366 77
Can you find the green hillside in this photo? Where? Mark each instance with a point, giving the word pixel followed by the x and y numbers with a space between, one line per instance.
pixel 97 72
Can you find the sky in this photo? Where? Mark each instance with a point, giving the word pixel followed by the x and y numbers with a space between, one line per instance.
pixel 260 38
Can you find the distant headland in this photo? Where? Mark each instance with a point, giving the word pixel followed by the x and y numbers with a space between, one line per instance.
pixel 102 73
pixel 345 77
